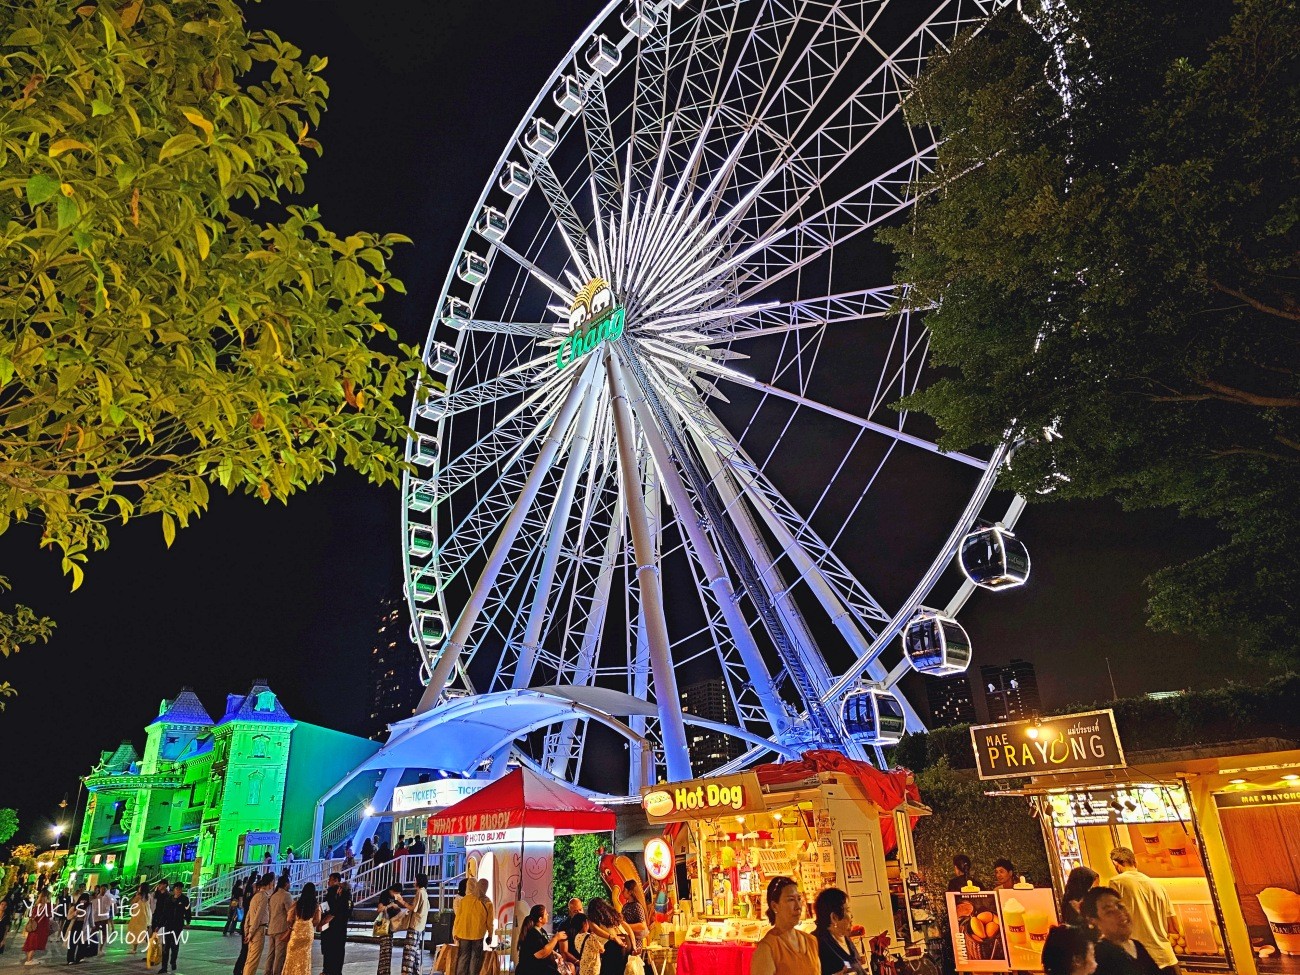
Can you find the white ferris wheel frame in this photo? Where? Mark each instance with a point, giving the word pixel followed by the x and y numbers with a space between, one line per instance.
pixel 573 423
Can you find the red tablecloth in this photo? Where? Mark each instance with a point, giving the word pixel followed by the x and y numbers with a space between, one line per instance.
pixel 694 958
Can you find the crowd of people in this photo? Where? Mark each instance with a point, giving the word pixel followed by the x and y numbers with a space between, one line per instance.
pixel 1121 929
pixel 1124 928
pixel 83 920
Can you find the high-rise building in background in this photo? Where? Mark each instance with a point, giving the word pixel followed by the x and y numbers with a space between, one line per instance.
pixel 1011 690
pixel 708 749
pixel 394 671
pixel 950 700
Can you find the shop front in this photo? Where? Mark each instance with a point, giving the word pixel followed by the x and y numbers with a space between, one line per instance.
pixel 508 829
pixel 825 821
pixel 1222 840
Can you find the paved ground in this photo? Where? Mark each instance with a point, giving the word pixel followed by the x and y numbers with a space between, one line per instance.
pixel 205 953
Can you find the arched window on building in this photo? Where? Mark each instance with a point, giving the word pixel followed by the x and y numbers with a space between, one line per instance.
pixel 260 745
pixel 255 788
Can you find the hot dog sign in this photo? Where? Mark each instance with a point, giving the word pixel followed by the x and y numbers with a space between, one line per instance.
pixel 702 798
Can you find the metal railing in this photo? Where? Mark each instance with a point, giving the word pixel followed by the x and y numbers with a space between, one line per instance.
pixel 369 880
pixel 214 894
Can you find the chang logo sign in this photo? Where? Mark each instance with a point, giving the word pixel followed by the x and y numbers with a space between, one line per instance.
pixel 593 318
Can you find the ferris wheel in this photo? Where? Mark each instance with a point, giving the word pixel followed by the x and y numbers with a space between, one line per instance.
pixel 659 447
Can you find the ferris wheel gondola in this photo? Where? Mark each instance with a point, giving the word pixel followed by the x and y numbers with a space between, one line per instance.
pixel 935 644
pixel 993 558
pixel 873 715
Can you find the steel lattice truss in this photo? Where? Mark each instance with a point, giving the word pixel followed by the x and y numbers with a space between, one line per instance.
pixel 714 494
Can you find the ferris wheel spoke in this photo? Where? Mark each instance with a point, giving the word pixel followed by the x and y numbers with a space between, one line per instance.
pixel 599 131
pixel 701 68
pixel 535 330
pixel 731 375
pixel 571 227
pixel 655 424
pixel 563 292
pixel 840 134
pixel 469 614
pixel 786 251
pixel 782 517
pixel 556 531
pixel 781 317
pixel 513 434
pixel 514 381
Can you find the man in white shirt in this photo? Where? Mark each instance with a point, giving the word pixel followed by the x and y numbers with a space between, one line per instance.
pixel 277 928
pixel 256 923
pixel 419 917
pixel 102 911
pixel 1148 905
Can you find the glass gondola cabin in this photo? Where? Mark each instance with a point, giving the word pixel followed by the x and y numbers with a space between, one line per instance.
pixel 424 588
pixel 603 54
pixel 640 18
pixel 455 313
pixel 472 268
pixel 443 358
pixel 935 644
pixel 993 558
pixel 542 137
pixel 426 450
pixel 515 179
pixel 423 494
pixel 568 96
pixel 873 715
pixel 419 542
pixel 491 224
pixel 433 628
pixel 435 407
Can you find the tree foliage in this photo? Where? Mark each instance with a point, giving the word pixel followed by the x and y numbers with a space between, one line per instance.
pixel 984 828
pixel 8 824
pixel 169 318
pixel 1119 266
pixel 577 870
pixel 19 627
pixel 1219 715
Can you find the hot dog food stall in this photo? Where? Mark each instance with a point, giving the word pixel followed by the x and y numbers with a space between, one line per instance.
pixel 825 821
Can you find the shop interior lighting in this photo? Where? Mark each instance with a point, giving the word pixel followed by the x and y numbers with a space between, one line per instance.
pixel 1290 777
pixel 1236 782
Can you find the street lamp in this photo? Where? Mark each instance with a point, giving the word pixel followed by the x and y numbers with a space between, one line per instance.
pixel 57 831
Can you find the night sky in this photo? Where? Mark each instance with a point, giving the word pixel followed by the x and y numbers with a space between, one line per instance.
pixel 424 97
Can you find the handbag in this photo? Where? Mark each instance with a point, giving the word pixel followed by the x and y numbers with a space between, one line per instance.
pixel 153 953
pixel 381 928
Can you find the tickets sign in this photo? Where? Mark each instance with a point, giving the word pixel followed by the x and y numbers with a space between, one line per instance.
pixel 702 798
pixel 1086 741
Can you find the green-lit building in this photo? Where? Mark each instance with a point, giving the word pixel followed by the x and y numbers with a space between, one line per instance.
pixel 212 794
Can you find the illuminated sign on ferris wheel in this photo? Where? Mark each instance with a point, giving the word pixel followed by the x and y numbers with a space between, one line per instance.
pixel 593 318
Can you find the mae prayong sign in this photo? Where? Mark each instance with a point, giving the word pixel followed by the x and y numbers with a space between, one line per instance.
pixel 593 319
pixel 1083 742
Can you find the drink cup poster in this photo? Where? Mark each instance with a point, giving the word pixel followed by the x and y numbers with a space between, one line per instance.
pixel 1027 916
pixel 1262 832
pixel 978 941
